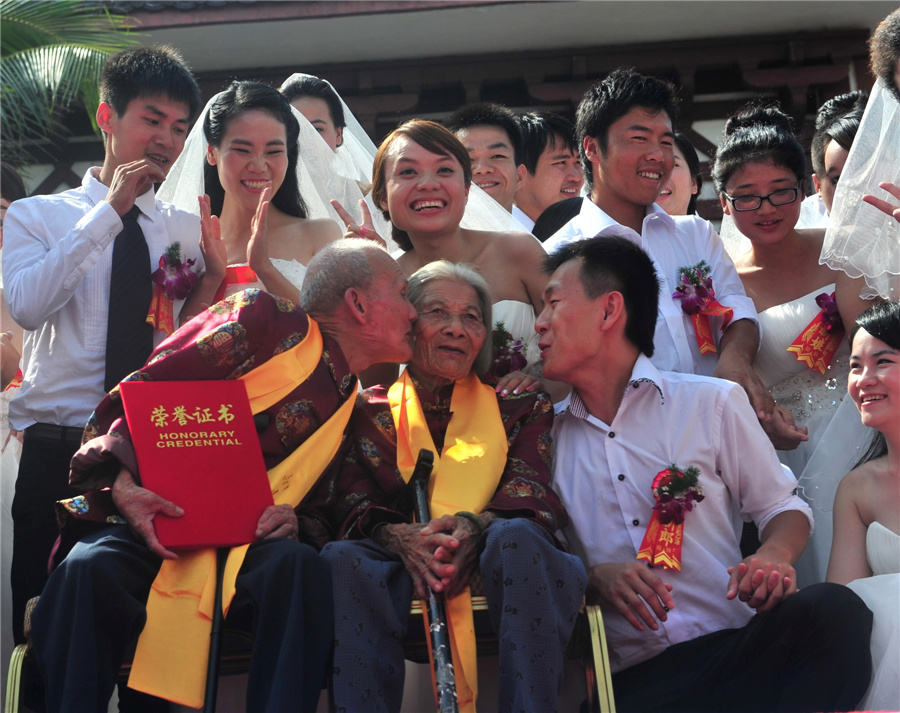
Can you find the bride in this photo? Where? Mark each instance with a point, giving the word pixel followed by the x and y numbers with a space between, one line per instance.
pixel 759 173
pixel 865 553
pixel 255 226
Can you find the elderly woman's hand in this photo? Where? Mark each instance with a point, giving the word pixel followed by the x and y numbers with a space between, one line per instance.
pixel 417 547
pixel 464 557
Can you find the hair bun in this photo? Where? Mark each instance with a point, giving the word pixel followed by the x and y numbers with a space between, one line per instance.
pixel 758 116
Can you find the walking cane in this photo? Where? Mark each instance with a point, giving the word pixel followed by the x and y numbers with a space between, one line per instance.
pixel 215 636
pixel 444 679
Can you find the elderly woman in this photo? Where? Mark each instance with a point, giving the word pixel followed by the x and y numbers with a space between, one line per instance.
pixel 492 457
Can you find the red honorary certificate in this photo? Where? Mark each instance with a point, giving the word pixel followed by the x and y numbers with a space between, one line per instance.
pixel 196 445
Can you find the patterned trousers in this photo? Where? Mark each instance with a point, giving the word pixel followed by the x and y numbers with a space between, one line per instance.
pixel 534 591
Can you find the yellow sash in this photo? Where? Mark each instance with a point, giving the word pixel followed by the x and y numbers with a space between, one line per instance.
pixel 465 477
pixel 172 652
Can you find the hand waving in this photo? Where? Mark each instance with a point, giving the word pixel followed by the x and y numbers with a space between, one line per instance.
pixel 354 230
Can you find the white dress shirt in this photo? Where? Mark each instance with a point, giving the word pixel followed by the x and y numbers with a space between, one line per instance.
pixel 603 474
pixel 56 264
pixel 672 243
pixel 522 219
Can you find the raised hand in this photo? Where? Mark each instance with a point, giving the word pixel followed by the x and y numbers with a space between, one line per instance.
pixel 258 247
pixel 215 254
pixel 884 206
pixel 354 230
pixel 131 180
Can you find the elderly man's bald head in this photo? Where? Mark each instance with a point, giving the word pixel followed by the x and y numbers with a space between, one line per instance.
pixel 344 264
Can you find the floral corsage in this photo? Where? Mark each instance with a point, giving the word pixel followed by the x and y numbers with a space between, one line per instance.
pixel 508 353
pixel 676 490
pixel 173 280
pixel 698 300
pixel 817 344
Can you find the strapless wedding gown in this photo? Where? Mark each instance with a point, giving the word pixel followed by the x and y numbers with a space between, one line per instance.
pixel 881 593
pixel 518 318
pixel 837 437
pixel 292 270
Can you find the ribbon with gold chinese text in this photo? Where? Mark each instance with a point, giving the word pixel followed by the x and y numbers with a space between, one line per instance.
pixel 465 477
pixel 172 280
pixel 676 491
pixel 172 652
pixel 819 341
pixel 703 328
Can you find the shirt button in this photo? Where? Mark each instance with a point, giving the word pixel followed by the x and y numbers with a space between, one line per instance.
pixel 612 434
pixel 635 522
pixel 621 476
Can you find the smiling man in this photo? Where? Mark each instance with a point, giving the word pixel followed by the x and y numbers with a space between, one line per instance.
pixel 553 170
pixel 625 133
pixel 490 132
pixel 77 268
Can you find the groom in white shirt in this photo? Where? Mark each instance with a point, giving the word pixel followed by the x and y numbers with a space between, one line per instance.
pixel 664 559
pixel 58 264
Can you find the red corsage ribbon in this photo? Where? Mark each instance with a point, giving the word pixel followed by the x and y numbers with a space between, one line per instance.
pixel 817 344
pixel 698 299
pixel 676 491
pixel 236 275
pixel 508 354
pixel 16 381
pixel 172 281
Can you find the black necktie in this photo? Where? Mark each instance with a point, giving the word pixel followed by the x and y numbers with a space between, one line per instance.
pixel 129 339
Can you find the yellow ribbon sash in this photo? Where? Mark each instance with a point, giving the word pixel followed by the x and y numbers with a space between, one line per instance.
pixel 465 477
pixel 172 651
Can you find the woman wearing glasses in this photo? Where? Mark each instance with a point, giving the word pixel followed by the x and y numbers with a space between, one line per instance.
pixel 759 172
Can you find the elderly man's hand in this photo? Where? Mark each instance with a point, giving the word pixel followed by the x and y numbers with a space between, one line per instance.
pixel 631 587
pixel 278 521
pixel 139 506
pixel 417 549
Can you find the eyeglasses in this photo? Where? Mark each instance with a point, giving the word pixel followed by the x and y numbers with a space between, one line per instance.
pixel 782 196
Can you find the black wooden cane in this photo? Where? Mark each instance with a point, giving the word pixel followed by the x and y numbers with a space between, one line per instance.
pixel 215 635
pixel 444 679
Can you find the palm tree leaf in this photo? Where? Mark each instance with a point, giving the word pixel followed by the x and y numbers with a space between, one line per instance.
pixel 25 24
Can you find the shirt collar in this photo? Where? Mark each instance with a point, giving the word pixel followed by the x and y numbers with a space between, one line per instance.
pixel 601 222
pixel 642 374
pixel 97 192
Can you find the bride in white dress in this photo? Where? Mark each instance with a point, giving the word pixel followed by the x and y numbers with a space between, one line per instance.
pixel 865 554
pixel 244 152
pixel 802 359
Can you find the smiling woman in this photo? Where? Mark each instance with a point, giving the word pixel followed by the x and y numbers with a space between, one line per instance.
pixel 255 230
pixel 421 180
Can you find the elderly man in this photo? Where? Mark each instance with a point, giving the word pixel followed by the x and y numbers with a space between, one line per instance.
pixel 355 313
pixel 657 469
pixel 492 506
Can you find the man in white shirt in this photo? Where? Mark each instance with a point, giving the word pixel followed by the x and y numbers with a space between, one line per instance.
pixel 625 132
pixel 57 263
pixel 490 132
pixel 682 632
pixel 553 170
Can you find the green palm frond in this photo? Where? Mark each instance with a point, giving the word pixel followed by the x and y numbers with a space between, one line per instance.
pixel 52 54
pixel 33 23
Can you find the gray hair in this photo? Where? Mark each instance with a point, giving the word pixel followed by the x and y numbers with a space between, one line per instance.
pixel 344 264
pixel 458 272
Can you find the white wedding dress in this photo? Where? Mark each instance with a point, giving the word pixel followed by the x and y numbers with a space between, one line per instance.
pixel 837 437
pixel 881 593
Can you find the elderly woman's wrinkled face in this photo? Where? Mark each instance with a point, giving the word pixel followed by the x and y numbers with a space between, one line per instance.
pixel 449 332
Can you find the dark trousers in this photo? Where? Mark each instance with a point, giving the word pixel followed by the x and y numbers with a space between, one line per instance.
pixel 93 608
pixel 810 653
pixel 43 479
